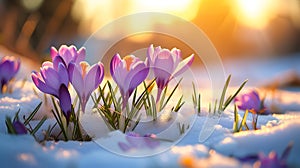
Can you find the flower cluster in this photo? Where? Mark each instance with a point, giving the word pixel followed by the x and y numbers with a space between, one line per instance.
pixel 130 71
pixel 68 66
pixel 9 66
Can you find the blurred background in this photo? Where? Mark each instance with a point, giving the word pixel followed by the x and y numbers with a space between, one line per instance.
pixel 237 28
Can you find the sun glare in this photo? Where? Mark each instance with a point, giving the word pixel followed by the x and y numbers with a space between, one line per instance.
pixel 94 14
pixel 186 9
pixel 255 13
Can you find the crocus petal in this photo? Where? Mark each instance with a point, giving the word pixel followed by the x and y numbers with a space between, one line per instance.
pixel 53 52
pixel 67 55
pixel 92 80
pixel 9 66
pixel 40 84
pixel 81 55
pixel 17 66
pixel 136 76
pixel 116 59
pixel 50 77
pixel 150 54
pixel 76 78
pixel 47 64
pixel 73 51
pixel 65 101
pixel 62 49
pixel 176 54
pixel 63 74
pixel 120 76
pixel 183 65
pixel 249 101
pixel 94 77
pixel 128 73
pixel 57 60
pixel 164 63
pixel 163 68
pixel 19 127
pixel 6 71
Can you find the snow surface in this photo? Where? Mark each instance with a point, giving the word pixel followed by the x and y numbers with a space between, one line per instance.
pixel 220 149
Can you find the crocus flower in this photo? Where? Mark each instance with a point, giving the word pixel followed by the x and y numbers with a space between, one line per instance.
pixel 136 141
pixel 85 79
pixel 19 127
pixel 166 65
pixel 273 160
pixel 250 101
pixel 128 73
pixel 9 66
pixel 68 54
pixel 51 77
pixel 65 101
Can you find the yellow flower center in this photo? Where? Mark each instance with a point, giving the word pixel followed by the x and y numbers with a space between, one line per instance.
pixel 84 67
pixel 128 59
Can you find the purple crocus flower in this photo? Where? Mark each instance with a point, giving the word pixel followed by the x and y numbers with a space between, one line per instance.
pixel 250 101
pixel 128 73
pixel 9 66
pixel 19 127
pixel 273 160
pixel 51 77
pixel 85 79
pixel 166 65
pixel 65 101
pixel 68 54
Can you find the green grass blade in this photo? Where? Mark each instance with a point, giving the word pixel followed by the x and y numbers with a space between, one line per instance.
pixel 243 120
pixel 144 92
pixel 179 104
pixel 235 94
pixel 154 111
pixel 215 106
pixel 57 116
pixel 147 97
pixel 134 96
pixel 136 123
pixel 162 99
pixel 169 97
pixel 199 104
pixel 32 114
pixel 9 125
pixel 236 120
pixel 194 96
pixel 113 96
pixel 224 92
pixel 38 126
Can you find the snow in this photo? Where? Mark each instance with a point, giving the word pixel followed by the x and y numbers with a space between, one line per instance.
pixel 219 147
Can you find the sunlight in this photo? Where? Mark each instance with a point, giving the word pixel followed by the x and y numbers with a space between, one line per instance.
pixel 255 13
pixel 93 14
pixel 186 9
